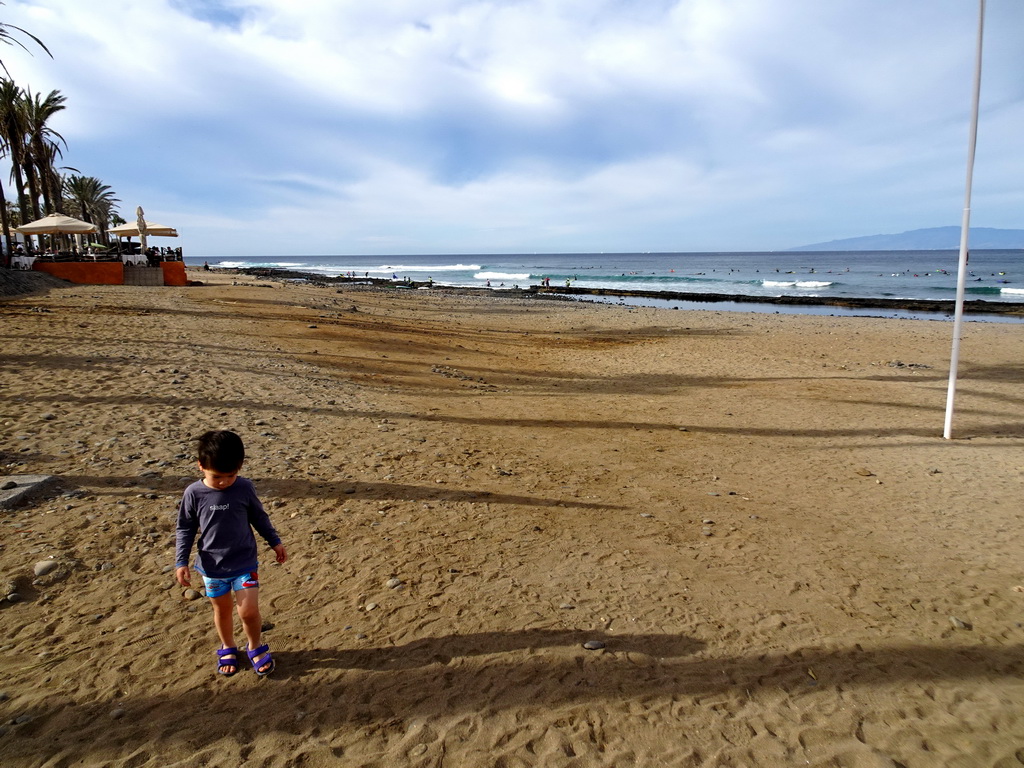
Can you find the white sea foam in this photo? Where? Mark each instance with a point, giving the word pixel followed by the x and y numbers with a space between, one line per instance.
pixel 795 284
pixel 244 264
pixel 323 269
pixel 502 276
pixel 1013 291
pixel 423 268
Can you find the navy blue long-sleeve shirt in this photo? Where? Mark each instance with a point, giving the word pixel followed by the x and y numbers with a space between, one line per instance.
pixel 224 520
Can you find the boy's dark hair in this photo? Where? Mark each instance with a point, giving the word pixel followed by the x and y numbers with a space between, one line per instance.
pixel 221 450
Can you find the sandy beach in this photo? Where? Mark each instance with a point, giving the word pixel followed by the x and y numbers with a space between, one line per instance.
pixel 753 519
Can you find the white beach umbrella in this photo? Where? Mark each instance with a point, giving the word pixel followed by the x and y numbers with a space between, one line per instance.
pixel 141 224
pixel 57 224
pixel 152 230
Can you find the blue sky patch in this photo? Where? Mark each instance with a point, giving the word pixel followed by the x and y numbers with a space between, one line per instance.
pixel 216 12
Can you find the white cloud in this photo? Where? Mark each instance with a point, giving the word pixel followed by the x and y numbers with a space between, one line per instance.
pixel 455 125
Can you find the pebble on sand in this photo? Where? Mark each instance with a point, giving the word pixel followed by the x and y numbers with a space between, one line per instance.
pixel 44 567
pixel 593 645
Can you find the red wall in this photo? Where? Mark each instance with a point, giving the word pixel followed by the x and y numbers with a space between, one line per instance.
pixel 105 272
pixel 84 272
pixel 174 272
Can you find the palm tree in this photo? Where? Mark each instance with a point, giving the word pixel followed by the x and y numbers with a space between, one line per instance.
pixel 12 143
pixel 43 146
pixel 89 198
pixel 5 223
pixel 12 134
pixel 7 35
pixel 53 179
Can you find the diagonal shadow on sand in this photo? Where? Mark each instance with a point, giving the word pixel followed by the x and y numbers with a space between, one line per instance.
pixel 328 489
pixel 442 650
pixel 326 691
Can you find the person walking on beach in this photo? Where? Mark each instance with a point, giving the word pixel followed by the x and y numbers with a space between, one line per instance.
pixel 223 509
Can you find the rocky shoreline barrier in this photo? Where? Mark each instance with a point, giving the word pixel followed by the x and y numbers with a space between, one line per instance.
pixel 975 306
pixel 849 302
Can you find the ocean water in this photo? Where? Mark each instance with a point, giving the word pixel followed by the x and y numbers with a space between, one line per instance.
pixel 994 275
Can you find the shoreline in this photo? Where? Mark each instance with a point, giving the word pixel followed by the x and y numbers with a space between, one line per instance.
pixel 972 306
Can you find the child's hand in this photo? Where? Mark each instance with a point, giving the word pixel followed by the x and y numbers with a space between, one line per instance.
pixel 281 554
pixel 183 576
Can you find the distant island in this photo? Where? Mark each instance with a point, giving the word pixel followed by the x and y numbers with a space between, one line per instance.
pixel 932 239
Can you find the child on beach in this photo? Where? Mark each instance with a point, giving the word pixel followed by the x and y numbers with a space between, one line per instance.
pixel 223 509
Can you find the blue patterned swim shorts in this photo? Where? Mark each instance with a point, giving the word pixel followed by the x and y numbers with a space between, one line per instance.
pixel 220 587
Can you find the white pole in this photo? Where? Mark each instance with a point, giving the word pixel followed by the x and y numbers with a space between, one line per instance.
pixel 965 227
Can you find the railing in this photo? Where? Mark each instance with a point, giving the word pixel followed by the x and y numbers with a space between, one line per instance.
pixel 107 256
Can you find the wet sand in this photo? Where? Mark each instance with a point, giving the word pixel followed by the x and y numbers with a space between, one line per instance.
pixel 755 515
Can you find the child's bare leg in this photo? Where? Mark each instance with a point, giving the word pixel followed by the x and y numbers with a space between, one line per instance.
pixel 224 621
pixel 249 612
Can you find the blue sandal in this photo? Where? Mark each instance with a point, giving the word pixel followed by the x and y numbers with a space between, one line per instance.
pixel 223 662
pixel 260 657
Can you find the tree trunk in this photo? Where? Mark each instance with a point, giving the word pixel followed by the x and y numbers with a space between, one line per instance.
pixel 5 222
pixel 19 183
pixel 33 187
pixel 44 164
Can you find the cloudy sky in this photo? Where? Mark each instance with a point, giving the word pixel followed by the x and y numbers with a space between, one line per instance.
pixel 275 127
